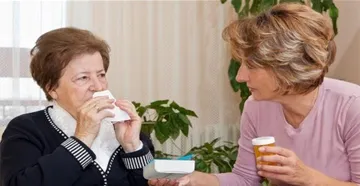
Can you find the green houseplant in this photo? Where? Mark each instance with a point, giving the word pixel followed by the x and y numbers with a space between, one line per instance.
pixel 168 119
pixel 246 8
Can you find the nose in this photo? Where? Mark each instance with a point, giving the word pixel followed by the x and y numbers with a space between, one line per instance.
pixel 242 74
pixel 97 85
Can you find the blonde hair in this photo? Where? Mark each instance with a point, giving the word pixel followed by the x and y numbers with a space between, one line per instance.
pixel 292 40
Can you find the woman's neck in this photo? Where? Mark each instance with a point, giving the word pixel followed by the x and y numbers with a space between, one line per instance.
pixel 297 107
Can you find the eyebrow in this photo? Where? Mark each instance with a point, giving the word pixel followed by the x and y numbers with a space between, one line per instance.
pixel 87 72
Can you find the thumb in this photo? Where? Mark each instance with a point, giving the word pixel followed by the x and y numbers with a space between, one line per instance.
pixel 184 181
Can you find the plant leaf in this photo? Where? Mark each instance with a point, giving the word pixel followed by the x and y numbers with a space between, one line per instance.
pixel 266 4
pixel 175 105
pixel 162 155
pixel 209 148
pixel 317 5
pixel 173 126
pixel 265 182
pixel 175 134
pixel 326 4
pixel 237 5
pixel 141 111
pixel 190 113
pixel 232 72
pixel 184 119
pixel 183 110
pixel 246 9
pixel 256 7
pixel 334 14
pixel 147 129
pixel 233 155
pixel 292 1
pixel 241 105
pixel 223 166
pixel 158 103
pixel 185 129
pixel 184 124
pixel 200 165
pixel 136 104
pixel 244 94
pixel 214 141
pixel 162 132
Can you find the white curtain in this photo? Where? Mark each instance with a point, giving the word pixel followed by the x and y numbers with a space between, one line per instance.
pixel 160 50
pixel 168 50
pixel 21 23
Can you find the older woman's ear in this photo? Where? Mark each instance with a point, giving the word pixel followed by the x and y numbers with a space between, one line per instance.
pixel 51 92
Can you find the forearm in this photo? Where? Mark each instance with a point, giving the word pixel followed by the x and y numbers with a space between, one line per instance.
pixel 204 179
pixel 320 179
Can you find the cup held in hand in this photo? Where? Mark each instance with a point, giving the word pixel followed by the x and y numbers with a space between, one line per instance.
pixel 260 142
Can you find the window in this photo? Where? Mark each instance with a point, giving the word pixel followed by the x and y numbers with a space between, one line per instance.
pixel 22 23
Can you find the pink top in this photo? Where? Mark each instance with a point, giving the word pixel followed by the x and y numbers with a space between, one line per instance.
pixel 328 139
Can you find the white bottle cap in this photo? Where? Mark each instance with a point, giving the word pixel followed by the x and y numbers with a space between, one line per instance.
pixel 265 140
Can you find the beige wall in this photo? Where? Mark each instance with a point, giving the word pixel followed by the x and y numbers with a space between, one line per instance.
pixel 347 63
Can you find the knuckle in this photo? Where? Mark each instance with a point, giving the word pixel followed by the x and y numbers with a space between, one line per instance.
pixel 82 112
pixel 282 151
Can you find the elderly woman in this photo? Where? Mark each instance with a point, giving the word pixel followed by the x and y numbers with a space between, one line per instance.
pixel 69 143
pixel 285 53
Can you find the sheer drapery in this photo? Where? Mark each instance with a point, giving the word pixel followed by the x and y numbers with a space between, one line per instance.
pixel 22 23
pixel 168 50
pixel 160 50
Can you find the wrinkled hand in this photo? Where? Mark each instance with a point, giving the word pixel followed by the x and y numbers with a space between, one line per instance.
pixel 289 169
pixel 89 116
pixel 128 132
pixel 194 179
pixel 162 182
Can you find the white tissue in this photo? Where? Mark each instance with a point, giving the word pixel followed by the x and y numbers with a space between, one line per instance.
pixel 120 115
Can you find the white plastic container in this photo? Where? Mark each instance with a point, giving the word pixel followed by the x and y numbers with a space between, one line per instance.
pixel 169 169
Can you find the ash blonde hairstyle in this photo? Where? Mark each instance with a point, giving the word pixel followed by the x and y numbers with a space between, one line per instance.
pixel 291 40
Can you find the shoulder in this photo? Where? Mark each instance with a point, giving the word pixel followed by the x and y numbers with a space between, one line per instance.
pixel 342 100
pixel 25 124
pixel 341 88
pixel 341 96
pixel 352 111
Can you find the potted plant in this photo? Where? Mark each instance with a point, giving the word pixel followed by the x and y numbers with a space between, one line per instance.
pixel 168 119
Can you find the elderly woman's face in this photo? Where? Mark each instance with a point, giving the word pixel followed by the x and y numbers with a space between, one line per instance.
pixel 84 75
pixel 261 82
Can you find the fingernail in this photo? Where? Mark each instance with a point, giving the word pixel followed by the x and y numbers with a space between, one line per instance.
pixel 260 173
pixel 258 166
pixel 261 149
pixel 258 159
